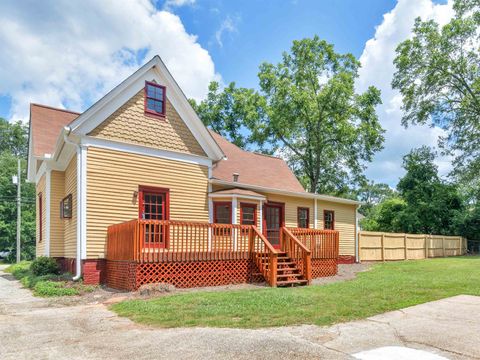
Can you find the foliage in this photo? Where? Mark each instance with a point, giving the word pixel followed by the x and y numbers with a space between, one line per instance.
pixel 386 287
pixel 438 76
pixel 307 105
pixel 49 284
pixel 371 194
pixel 43 265
pixel 425 203
pixel 14 143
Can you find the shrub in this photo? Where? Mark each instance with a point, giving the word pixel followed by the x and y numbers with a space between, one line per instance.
pixel 19 270
pixel 53 288
pixel 44 266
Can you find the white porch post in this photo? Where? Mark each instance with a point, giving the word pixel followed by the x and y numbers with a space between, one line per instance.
pixel 260 211
pixel 315 221
pixel 234 221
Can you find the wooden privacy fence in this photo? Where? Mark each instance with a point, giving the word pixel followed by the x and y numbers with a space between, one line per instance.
pixel 380 246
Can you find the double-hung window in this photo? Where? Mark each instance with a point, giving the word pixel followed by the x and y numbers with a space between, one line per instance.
pixel 154 99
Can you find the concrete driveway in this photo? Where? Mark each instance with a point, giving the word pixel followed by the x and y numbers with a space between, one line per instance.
pixel 32 328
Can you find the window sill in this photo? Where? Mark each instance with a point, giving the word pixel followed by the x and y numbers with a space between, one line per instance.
pixel 155 115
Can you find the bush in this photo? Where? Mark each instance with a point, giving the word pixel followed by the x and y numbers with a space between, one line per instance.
pixel 19 270
pixel 44 266
pixel 53 288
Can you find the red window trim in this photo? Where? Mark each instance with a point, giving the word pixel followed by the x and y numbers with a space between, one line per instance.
pixel 155 190
pixel 282 214
pixel 151 112
pixel 40 216
pixel 220 203
pixel 308 216
pixel 250 205
pixel 333 219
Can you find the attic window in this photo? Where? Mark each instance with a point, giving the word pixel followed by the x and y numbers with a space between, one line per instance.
pixel 154 99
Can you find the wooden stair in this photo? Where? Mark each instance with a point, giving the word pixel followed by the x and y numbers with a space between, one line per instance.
pixel 288 274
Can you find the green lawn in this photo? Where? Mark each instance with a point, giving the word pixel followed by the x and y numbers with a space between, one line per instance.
pixel 385 287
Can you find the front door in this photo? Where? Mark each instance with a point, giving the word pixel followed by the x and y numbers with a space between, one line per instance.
pixel 273 221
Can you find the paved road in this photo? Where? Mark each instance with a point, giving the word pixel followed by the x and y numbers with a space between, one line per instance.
pixel 31 328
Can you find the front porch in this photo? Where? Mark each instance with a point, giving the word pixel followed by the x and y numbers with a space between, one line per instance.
pixel 195 254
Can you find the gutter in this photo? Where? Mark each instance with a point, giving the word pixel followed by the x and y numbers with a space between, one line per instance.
pixel 78 263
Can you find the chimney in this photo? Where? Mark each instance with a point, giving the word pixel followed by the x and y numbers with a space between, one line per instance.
pixel 235 177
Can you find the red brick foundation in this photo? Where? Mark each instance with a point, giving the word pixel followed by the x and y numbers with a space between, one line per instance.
pixel 346 259
pixel 93 270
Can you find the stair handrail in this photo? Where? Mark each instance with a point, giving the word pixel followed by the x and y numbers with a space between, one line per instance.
pixel 270 273
pixel 306 253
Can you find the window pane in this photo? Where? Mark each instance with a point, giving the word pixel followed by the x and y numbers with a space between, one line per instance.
pixel 222 214
pixel 248 215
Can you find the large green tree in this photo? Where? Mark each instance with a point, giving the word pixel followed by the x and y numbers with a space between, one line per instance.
pixel 438 76
pixel 308 110
pixel 14 143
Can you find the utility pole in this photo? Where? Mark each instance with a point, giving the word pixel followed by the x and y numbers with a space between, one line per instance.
pixel 19 209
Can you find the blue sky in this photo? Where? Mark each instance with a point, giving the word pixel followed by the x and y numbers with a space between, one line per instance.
pixel 264 29
pixel 74 52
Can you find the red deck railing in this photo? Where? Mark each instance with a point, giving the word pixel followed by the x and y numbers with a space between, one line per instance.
pixel 298 252
pixel 323 244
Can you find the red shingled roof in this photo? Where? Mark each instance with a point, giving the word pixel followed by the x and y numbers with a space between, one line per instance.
pixel 254 169
pixel 46 124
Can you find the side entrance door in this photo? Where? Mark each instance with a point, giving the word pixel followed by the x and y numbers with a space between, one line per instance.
pixel 154 205
pixel 272 222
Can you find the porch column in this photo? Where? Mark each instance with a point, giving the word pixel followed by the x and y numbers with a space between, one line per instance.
pixel 260 212
pixel 48 187
pixel 234 221
pixel 315 221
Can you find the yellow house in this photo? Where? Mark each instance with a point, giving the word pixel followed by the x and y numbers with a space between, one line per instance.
pixel 136 189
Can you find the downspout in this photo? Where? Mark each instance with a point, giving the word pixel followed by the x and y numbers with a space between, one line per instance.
pixel 78 263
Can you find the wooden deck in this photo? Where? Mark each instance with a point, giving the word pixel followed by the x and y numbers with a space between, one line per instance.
pixel 174 251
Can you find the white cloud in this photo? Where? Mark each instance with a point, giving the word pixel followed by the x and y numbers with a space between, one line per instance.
pixel 177 3
pixel 377 69
pixel 68 54
pixel 229 25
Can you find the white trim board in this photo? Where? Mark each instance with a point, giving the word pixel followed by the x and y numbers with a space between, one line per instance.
pixel 144 150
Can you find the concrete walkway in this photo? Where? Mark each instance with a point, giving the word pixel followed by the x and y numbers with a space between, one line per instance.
pixel 32 328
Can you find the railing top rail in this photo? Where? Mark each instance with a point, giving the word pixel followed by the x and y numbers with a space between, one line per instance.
pixel 294 238
pixel 310 230
pixel 262 237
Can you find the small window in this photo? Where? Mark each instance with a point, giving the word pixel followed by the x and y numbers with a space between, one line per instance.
pixel 222 213
pixel 66 207
pixel 248 214
pixel 40 217
pixel 303 217
pixel 154 99
pixel 329 220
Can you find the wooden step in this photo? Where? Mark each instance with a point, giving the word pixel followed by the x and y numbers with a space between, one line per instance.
pixel 292 282
pixel 288 275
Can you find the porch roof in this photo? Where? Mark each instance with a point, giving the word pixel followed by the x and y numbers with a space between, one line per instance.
pixel 238 192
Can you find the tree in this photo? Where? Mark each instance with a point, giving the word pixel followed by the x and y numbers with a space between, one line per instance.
pixel 308 110
pixel 14 143
pixel 371 194
pixel 386 216
pixel 438 76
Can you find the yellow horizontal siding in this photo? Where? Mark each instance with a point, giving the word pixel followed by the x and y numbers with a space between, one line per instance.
pixel 344 223
pixel 113 177
pixel 291 206
pixel 70 225
pixel 40 245
pixel 57 193
pixel 130 124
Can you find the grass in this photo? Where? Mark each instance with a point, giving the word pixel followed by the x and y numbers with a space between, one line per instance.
pixel 385 287
pixel 47 285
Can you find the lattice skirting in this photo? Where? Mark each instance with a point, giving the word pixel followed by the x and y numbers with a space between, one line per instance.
pixel 323 267
pixel 127 275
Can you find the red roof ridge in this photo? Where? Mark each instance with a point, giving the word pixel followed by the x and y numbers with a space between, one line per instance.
pixel 55 108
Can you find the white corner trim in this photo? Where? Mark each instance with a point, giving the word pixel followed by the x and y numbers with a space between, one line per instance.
pixel 83 201
pixel 48 186
pixel 145 150
pixel 357 259
pixel 315 214
pixel 41 171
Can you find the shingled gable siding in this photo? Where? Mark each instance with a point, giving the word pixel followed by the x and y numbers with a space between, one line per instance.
pixel 113 177
pixel 57 193
pixel 70 225
pixel 130 124
pixel 40 245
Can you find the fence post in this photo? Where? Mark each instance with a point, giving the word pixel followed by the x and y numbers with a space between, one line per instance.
pixel 443 245
pixel 383 246
pixel 426 246
pixel 405 244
